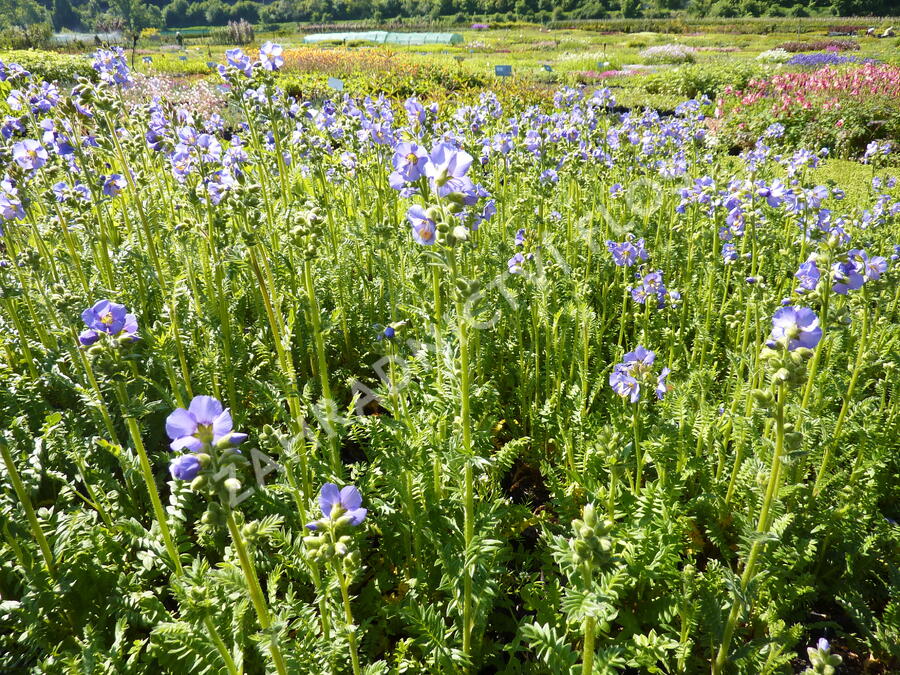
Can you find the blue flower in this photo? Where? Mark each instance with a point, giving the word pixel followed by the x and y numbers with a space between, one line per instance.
pixel 337 505
pixel 185 467
pixel 29 154
pixel 808 275
pixel 423 227
pixel 205 422
pixel 270 55
pixel 798 326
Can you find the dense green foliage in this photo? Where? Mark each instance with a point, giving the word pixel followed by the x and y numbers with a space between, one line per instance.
pixel 447 308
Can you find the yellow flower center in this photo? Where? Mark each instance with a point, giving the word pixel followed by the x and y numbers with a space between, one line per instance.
pixel 412 158
pixel 107 319
pixel 204 433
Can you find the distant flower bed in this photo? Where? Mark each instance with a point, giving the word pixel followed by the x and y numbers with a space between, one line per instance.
pixel 480 26
pixel 668 54
pixel 774 56
pixel 838 45
pixel 831 106
pixel 820 59
pixel 586 76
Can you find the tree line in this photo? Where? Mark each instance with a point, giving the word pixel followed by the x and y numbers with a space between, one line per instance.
pixel 133 15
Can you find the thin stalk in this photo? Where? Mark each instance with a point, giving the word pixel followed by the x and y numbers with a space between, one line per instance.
pixel 590 630
pixel 845 406
pixel 761 528
pixel 256 594
pixel 25 500
pixel 348 619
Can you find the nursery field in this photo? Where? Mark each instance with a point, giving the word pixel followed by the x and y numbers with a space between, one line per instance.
pixel 350 359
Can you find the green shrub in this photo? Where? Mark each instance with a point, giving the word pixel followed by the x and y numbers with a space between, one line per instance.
pixel 51 66
pixel 698 79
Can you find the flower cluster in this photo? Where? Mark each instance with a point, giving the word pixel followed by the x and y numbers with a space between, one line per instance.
pixel 668 54
pixel 628 252
pixel 331 540
pixel 202 429
pixel 112 66
pixel 650 286
pixel 635 371
pixel 795 327
pixel 820 59
pixel 110 319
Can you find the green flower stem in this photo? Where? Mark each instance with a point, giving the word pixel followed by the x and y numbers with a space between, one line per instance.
pixel 94 500
pixel 220 646
pixel 845 406
pixel 23 338
pixel 256 594
pixel 348 618
pixel 276 321
pixel 224 318
pixel 468 489
pixel 762 527
pixel 611 495
pixel 150 482
pixel 814 364
pixel 300 501
pixel 638 455
pixel 739 450
pixel 590 630
pixel 624 313
pixel 321 362
pixel 154 258
pixel 25 500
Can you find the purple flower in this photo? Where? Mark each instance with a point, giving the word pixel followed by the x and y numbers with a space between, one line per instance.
pixel 112 66
pixel 113 185
pixel 662 387
pixel 874 268
pixel 549 177
pixel 823 645
pixel 110 318
pixel 628 252
pixel 415 111
pixel 29 154
pixel 270 55
pixel 515 263
pixel 204 422
pixel 729 253
pixel 641 357
pixel 808 275
pixel 423 227
pixel 625 385
pixel 337 504
pixel 185 467
pixel 446 163
pixel 236 58
pixel 846 276
pixel 409 161
pixel 10 204
pixel 799 326
pixel 105 316
pixel 651 285
pixel 636 365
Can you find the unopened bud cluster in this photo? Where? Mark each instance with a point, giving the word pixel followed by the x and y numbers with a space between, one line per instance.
pixel 822 660
pixel 591 543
